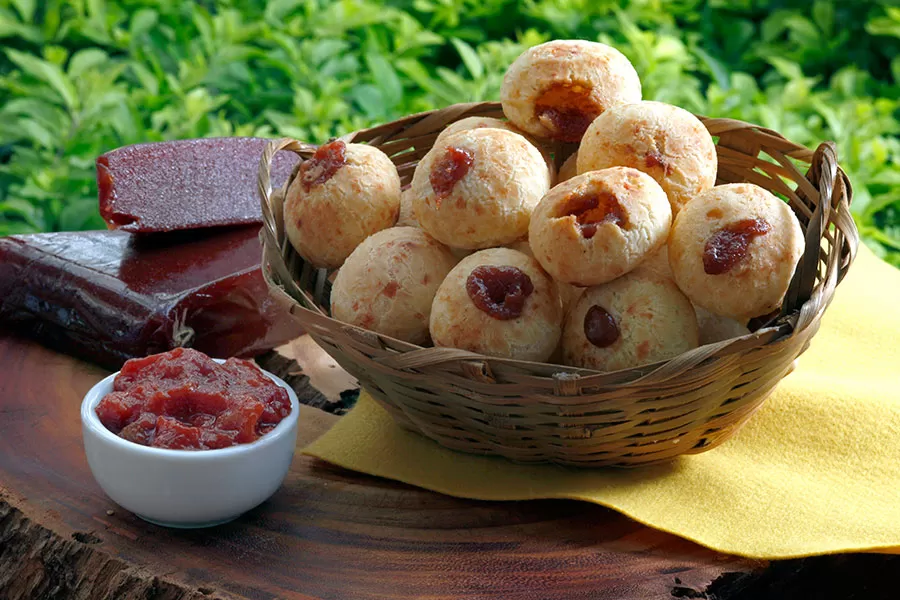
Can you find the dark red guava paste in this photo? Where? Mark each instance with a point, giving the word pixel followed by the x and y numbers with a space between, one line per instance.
pixel 592 209
pixel 449 169
pixel 500 292
pixel 322 166
pixel 184 400
pixel 566 110
pixel 600 327
pixel 728 246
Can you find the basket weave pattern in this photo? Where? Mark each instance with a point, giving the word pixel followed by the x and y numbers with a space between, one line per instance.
pixel 535 412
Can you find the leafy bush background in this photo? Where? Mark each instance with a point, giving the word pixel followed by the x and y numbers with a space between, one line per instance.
pixel 81 77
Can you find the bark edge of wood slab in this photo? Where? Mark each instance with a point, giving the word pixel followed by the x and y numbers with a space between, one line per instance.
pixel 57 567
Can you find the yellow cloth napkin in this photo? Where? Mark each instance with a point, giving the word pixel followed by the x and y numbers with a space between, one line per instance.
pixel 815 471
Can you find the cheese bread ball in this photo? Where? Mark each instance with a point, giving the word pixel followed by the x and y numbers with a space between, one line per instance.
pixel 637 319
pixel 498 302
pixel 388 282
pixel 556 89
pixel 470 123
pixel 599 226
pixel 478 188
pixel 713 327
pixel 341 196
pixel 569 169
pixel 716 328
pixel 407 216
pixel 658 263
pixel 734 249
pixel 664 141
pixel 568 293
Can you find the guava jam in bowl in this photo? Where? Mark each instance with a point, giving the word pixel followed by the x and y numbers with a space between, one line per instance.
pixel 184 440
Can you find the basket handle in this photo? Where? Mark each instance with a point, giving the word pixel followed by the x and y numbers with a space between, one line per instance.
pixel 276 246
pixel 832 223
pixel 272 206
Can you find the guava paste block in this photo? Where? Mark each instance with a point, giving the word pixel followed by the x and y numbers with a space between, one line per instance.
pixel 185 184
pixel 107 296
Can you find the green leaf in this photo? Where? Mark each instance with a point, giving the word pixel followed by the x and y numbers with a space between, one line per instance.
pixel 326 49
pixel 774 25
pixel 25 8
pixel 469 58
pixel 145 77
pixel 716 68
pixel 286 125
pixel 37 133
pixel 385 78
pixel 885 238
pixel 423 79
pixel 462 92
pixel 47 72
pixel 52 21
pixel 277 10
pixel 48 115
pixel 11 26
pixel 21 209
pixel 77 215
pixel 803 30
pixel 86 59
pixel 54 54
pixel 888 177
pixel 888 25
pixel 203 23
pixel 786 68
pixel 96 8
pixel 17 228
pixel 370 99
pixel 340 65
pixel 143 21
pixel 823 15
pixel 879 203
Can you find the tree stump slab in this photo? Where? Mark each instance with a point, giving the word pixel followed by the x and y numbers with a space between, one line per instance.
pixel 329 533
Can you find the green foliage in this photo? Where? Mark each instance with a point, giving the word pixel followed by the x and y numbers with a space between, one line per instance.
pixel 80 77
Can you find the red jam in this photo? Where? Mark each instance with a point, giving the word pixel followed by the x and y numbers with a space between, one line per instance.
pixel 566 110
pixel 500 292
pixel 593 209
pixel 728 246
pixel 322 166
pixel 600 327
pixel 655 160
pixel 184 400
pixel 449 169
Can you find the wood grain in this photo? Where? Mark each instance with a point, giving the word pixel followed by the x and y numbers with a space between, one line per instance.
pixel 327 533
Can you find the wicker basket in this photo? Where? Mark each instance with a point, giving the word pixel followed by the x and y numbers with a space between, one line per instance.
pixel 534 412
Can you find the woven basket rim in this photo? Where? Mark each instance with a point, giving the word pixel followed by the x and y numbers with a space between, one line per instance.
pixel 825 174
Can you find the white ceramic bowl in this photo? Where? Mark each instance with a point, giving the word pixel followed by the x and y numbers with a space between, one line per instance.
pixel 187 488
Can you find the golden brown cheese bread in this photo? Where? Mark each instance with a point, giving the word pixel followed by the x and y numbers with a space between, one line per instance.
pixel 498 302
pixel 556 89
pixel 637 319
pixel 599 226
pixel 388 283
pixel 479 187
pixel 664 141
pixel 734 249
pixel 341 196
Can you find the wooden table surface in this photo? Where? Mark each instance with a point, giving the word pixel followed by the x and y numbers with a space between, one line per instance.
pixel 330 533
